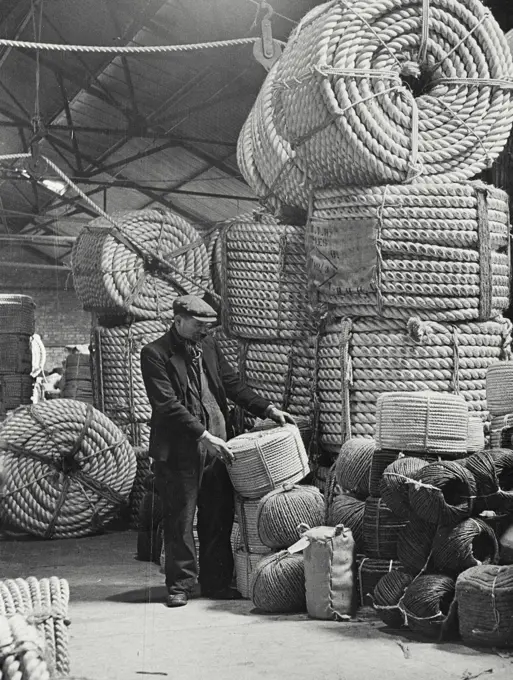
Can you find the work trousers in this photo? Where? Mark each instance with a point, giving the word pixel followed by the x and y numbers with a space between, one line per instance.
pixel 207 487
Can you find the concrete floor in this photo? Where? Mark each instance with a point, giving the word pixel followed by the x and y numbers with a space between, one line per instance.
pixel 121 629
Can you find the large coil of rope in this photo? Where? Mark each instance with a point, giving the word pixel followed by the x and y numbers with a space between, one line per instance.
pixel 359 359
pixel 264 282
pixel 371 93
pixel 22 650
pixel 245 564
pixel 229 347
pixel 470 543
pixel 44 604
pixel 436 251
pixel 499 388
pixel 117 353
pixel 426 604
pixel 68 469
pixel 139 266
pixel 15 389
pixel 395 484
pixel 415 544
pixel 369 572
pixel 493 472
pixel 502 169
pixel 17 315
pixel 353 466
pixel 380 530
pixel 386 597
pixel 278 583
pixel 15 352
pixel 349 511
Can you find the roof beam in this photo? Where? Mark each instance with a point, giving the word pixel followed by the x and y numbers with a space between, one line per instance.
pixel 131 159
pixel 69 119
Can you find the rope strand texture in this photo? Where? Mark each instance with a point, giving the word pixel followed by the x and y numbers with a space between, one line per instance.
pixel 278 583
pixel 68 469
pixel 387 595
pixel 350 102
pixel 140 267
pixel 426 604
pixel 22 652
pixel 469 544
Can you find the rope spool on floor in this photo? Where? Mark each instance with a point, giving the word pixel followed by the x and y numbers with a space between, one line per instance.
pixel 493 472
pixel 468 544
pixel 485 601
pixel 22 651
pixel 380 530
pixel 353 466
pixel 44 604
pixel 278 583
pixel 394 487
pixel 337 109
pixel 68 469
pixel 386 596
pixel 426 605
pixel 140 266
pixel 369 572
pixel 415 545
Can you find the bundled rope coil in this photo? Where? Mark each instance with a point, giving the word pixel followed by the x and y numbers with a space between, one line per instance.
pixel 353 466
pixel 427 422
pixel 245 564
pixel 386 597
pixel 266 459
pixel 468 544
pixel 499 388
pixel 362 358
pixel 369 573
pixel 382 459
pixel 443 493
pixel 415 545
pixel 436 251
pixel 501 431
pixel 15 353
pixel 493 472
pixel 68 469
pixel 15 390
pixel 394 487
pixel 278 583
pixel 380 530
pixel 17 315
pixel 22 651
pixel 476 437
pixel 139 266
pixel 426 604
pixel 349 511
pixel 44 604
pixel 77 380
pixel 282 510
pixel 502 169
pixel 485 601
pixel 351 102
pixel 247 514
pixel 264 283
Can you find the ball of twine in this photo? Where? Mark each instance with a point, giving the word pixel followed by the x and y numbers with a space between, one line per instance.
pixel 426 604
pixel 469 544
pixel 414 544
pixel 493 472
pixel 380 530
pixel 443 493
pixel 348 511
pixel 387 595
pixel 278 583
pixel 395 484
pixel 353 466
pixel 282 510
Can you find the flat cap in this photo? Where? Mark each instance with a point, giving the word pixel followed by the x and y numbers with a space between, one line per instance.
pixel 194 307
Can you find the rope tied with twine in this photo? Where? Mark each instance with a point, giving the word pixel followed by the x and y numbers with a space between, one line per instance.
pixel 395 482
pixel 427 605
pixel 471 543
pixel 493 472
pixel 386 597
pixel 278 583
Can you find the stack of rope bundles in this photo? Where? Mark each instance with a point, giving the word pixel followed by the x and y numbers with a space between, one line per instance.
pixel 68 469
pixel 22 650
pixel 469 544
pixel 139 266
pixel 485 601
pixel 380 530
pixel 386 597
pixel 499 391
pixel 353 466
pixel 493 472
pixel 436 251
pixel 369 573
pixel 282 510
pixel 278 583
pixel 43 603
pixel 360 359
pixel 77 383
pixel 17 325
pixel 349 511
pixel 394 486
pixel 415 544
pixel 502 169
pixel 246 513
pixel 338 109
pixel 476 437
pixel 264 283
pixel 426 605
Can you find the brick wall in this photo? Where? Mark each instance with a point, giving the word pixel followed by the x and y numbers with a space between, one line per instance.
pixel 60 320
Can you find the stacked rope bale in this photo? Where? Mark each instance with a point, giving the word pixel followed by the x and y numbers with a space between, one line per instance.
pixel 42 603
pixel 77 381
pixel 68 469
pixel 17 325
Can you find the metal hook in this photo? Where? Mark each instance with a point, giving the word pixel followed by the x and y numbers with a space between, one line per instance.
pixel 269 12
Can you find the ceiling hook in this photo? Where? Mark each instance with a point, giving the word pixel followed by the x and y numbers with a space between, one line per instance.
pixel 267 50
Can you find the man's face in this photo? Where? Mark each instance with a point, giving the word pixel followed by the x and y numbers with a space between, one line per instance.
pixel 191 329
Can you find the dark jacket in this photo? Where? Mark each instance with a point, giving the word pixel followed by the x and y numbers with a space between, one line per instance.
pixel 174 429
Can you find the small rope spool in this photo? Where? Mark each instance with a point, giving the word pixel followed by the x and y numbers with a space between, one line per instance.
pixel 22 650
pixel 394 487
pixel 426 604
pixel 493 472
pixel 485 601
pixel 380 530
pixel 499 388
pixel 386 596
pixel 282 510
pixel 414 544
pixel 278 583
pixel 353 466
pixel 443 493
pixel 349 511
pixel 369 573
pixel 476 438
pixel 469 544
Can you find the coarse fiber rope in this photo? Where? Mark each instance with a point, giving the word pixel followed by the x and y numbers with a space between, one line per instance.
pixel 17 314
pixel 470 543
pixel 387 595
pixel 426 604
pixel 278 583
pixel 370 571
pixel 380 530
pixel 44 604
pixel 376 92
pixel 68 469
pixel 22 652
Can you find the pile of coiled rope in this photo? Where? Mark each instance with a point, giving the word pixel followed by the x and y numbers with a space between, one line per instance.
pixel 140 266
pixel 22 651
pixel 353 102
pixel 68 469
pixel 17 325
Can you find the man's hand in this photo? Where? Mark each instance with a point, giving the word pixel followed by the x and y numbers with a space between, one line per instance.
pixel 217 447
pixel 280 417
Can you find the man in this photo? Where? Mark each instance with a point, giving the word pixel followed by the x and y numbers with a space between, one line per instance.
pixel 188 381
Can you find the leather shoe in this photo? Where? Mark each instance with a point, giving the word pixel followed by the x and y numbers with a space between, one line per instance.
pixel 177 599
pixel 223 594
